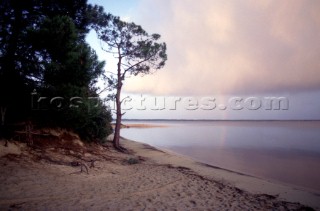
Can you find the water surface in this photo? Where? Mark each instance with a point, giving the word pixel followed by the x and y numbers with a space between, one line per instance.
pixel 284 151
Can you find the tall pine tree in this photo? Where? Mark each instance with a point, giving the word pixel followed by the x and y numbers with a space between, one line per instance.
pixel 43 48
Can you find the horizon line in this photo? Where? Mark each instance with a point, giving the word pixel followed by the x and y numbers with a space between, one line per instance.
pixel 142 119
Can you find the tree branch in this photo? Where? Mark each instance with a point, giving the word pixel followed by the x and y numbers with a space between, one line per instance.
pixel 125 71
pixel 124 99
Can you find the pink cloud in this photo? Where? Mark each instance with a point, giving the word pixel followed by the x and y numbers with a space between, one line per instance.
pixel 231 47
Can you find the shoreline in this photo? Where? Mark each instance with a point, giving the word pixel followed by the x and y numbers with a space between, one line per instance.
pixel 281 158
pixel 252 184
pixel 140 125
pixel 147 178
pixel 243 173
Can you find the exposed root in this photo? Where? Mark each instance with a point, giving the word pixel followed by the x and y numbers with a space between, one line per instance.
pixel 121 149
pixel 92 164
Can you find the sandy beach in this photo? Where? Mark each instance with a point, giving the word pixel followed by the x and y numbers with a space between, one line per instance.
pixel 66 174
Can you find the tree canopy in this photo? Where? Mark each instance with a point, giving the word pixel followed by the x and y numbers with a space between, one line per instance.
pixel 137 53
pixel 43 49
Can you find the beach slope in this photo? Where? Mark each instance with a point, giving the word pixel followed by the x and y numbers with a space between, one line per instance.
pixel 94 177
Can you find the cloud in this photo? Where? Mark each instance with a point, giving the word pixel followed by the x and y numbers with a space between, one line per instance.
pixel 225 47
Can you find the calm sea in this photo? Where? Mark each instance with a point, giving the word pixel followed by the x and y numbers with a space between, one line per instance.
pixel 284 151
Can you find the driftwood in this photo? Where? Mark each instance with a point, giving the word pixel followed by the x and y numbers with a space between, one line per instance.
pixel 83 166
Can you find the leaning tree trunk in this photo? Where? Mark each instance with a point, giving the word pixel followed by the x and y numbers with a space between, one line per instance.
pixel 116 137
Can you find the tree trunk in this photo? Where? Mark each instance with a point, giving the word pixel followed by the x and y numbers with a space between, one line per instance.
pixel 2 127
pixel 3 114
pixel 116 138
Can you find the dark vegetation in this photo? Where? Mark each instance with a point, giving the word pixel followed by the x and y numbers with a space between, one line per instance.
pixel 48 72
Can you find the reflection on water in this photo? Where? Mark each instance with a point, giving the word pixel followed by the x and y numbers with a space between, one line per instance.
pixel 286 151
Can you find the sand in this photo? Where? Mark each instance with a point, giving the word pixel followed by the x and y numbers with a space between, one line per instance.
pixel 49 177
pixel 140 125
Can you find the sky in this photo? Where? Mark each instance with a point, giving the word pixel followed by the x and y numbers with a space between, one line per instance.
pixel 221 51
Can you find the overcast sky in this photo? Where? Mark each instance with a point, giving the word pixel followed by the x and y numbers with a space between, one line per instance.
pixel 223 49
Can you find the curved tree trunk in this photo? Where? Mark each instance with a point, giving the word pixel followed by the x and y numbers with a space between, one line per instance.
pixel 116 138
